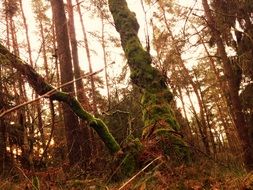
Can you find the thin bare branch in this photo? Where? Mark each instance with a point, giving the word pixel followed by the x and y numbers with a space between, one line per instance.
pixel 49 93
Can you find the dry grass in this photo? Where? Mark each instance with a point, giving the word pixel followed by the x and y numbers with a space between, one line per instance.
pixel 157 174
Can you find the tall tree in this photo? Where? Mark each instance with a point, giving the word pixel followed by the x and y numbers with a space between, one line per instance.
pixel 159 119
pixel 70 119
pixel 3 129
pixel 79 83
pixel 88 54
pixel 233 78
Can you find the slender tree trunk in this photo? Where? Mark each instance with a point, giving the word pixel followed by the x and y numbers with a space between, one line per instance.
pixel 70 119
pixel 26 153
pixel 188 130
pixel 43 45
pixel 93 88
pixel 26 33
pixel 203 133
pixel 86 145
pixel 7 26
pixel 2 130
pixel 92 82
pixel 38 108
pixel 60 151
pixel 105 59
pixel 57 66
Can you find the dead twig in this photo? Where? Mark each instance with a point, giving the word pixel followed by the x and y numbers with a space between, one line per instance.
pixel 49 93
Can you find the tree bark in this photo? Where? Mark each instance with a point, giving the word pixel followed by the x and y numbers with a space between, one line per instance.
pixel 2 130
pixel 80 91
pixel 159 119
pixel 70 119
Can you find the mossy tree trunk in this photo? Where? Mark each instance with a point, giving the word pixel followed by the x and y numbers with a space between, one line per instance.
pixel 159 120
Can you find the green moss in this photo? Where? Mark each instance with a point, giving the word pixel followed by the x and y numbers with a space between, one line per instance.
pixel 104 133
pixel 136 54
pixel 172 122
pixel 149 98
pixel 41 87
pixel 129 162
pixel 157 109
pixel 159 121
pixel 157 113
pixel 128 165
pixel 172 144
pixel 35 183
pixel 98 125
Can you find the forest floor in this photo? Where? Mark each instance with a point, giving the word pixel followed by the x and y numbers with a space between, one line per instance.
pixel 158 174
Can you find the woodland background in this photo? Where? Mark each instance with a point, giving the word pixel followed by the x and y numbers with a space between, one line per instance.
pixel 199 52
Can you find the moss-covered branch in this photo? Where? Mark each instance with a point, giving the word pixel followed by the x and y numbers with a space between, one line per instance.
pixel 157 113
pixel 42 87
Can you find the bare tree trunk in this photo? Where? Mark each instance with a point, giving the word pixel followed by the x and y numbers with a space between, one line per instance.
pixel 105 59
pixel 202 132
pixel 2 130
pixel 93 88
pixel 38 108
pixel 7 26
pixel 27 154
pixel 188 128
pixel 43 45
pixel 26 33
pixel 86 145
pixel 60 151
pixel 70 119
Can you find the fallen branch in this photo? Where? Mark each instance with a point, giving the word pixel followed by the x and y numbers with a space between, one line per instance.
pixel 48 91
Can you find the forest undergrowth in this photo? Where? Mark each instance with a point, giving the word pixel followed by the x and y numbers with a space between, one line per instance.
pixel 158 173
